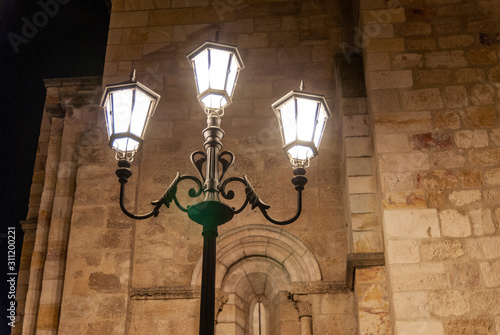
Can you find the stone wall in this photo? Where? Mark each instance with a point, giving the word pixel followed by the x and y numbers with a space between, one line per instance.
pixel 432 78
pixel 101 272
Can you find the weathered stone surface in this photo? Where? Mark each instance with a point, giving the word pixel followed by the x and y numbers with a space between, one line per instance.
pixel 390 79
pixel 411 305
pixel 441 250
pixel 433 77
pixel 456 42
pixel 482 56
pixel 404 122
pixel 403 251
pixel 451 59
pixel 482 221
pixel 454 224
pixel 455 96
pixel 407 61
pixel 462 198
pixel 414 223
pixel 430 141
pixel 449 159
pixel 400 162
pixel 484 157
pixel 478 117
pixel 418 277
pixel 449 303
pixel 419 327
pixel 471 178
pixel 490 272
pixel 469 75
pixel 445 120
pixel 425 99
pixel 492 177
pixel 471 138
pixel 102 282
pixel 404 200
pixel 437 179
pixel 465 326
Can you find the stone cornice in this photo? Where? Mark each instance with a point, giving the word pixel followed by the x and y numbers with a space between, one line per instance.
pixel 360 260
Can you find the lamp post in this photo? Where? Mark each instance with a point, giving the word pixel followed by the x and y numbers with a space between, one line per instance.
pixel 129 106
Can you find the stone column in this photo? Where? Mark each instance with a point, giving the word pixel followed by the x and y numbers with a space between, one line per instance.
pixel 53 274
pixel 42 229
pixel 305 315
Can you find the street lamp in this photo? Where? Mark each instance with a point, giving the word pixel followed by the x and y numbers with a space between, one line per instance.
pixel 128 107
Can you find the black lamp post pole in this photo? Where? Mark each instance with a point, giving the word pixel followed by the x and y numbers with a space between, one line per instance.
pixel 210 213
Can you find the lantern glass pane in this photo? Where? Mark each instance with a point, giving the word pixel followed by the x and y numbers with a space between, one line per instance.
pixel 288 121
pixel 122 106
pixel 231 77
pixel 140 112
pixel 201 71
pixel 215 101
pixel 320 127
pixel 219 61
pixel 125 144
pixel 109 116
pixel 306 118
pixel 300 152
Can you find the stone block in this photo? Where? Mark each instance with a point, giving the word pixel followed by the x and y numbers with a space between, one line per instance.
pixel 441 250
pixel 485 302
pixel 455 96
pixel 403 162
pixel 413 122
pixel 385 45
pixel 482 221
pixel 491 197
pixel 437 179
pixel 449 159
pixel 447 25
pixel 421 44
pixel 101 282
pixel 495 136
pixel 424 99
pixel 463 275
pixel 471 138
pixel 359 166
pixel 407 61
pixel 356 125
pixel 469 75
pixel 374 322
pixel 392 143
pixel 466 326
pixel 449 303
pixel 451 59
pixel 433 77
pixel 383 16
pixel 416 28
pixel 492 177
pixel 411 305
pixel 462 198
pixel 129 19
pixel 385 101
pixel 478 117
pixel 362 184
pixel 177 16
pixel 363 203
pixel 404 200
pixel 456 41
pixel 251 41
pixel 390 79
pixel 486 247
pixel 402 251
pixel 490 273
pixel 482 56
pixel 454 224
pixel 471 178
pixel 445 120
pixel 418 277
pixel 482 95
pixel 364 221
pixel 427 141
pixel 484 157
pixel 397 182
pixel 358 146
pixel 378 61
pixel 411 223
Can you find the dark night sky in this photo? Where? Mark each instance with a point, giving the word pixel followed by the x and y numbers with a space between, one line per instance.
pixel 67 39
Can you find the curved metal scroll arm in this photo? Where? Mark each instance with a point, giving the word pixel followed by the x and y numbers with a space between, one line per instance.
pixel 166 199
pixel 251 196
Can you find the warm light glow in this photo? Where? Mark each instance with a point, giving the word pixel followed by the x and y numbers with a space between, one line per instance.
pixel 216 67
pixel 302 118
pixel 128 107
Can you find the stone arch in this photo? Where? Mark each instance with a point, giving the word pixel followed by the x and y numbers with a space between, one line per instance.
pixel 270 242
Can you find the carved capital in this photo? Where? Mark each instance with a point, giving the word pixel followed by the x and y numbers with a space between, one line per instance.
pixel 302 304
